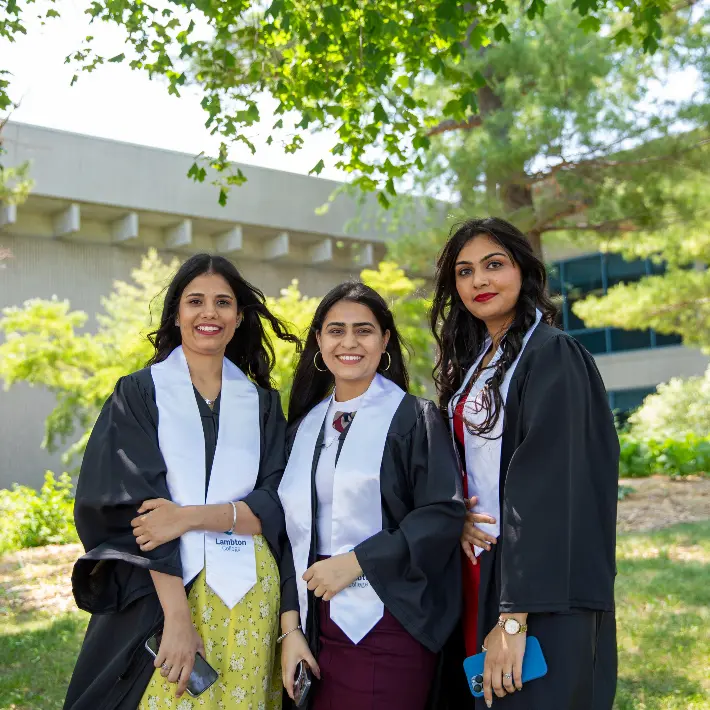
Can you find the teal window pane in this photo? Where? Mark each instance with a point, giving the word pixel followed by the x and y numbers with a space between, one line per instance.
pixel 629 339
pixel 593 340
pixel 621 271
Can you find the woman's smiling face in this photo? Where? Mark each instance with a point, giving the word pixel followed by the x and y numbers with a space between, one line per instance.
pixel 352 342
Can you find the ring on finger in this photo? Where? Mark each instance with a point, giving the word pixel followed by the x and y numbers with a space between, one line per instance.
pixel 166 667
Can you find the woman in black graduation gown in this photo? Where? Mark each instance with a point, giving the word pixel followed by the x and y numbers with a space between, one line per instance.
pixel 374 514
pixel 530 416
pixel 156 479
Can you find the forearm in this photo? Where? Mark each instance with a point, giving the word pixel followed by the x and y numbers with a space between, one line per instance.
pixel 171 594
pixel 220 517
pixel 289 620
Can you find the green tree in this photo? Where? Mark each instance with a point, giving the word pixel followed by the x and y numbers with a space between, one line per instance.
pixel 677 301
pixel 46 344
pixel 349 66
pixel 574 140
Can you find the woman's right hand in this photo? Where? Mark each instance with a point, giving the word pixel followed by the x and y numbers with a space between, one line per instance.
pixel 295 649
pixel 473 536
pixel 178 646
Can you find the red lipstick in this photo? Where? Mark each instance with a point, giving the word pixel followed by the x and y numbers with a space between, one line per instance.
pixel 484 297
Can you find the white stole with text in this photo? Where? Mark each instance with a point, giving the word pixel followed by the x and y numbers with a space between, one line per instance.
pixel 229 559
pixel 357 501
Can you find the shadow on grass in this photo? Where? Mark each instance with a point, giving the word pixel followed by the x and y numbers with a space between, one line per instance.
pixel 36 660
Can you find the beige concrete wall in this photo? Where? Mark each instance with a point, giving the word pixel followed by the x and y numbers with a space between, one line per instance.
pixel 647 368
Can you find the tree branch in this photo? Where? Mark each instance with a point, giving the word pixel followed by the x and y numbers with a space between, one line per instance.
pixel 601 164
pixel 617 225
pixel 451 124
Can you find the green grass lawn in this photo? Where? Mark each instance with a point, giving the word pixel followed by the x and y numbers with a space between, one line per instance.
pixel 663 594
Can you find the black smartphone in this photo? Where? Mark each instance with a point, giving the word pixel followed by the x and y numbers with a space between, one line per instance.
pixel 202 676
pixel 301 684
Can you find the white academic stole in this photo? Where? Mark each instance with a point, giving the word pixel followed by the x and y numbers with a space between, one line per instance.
pixel 357 504
pixel 483 452
pixel 230 560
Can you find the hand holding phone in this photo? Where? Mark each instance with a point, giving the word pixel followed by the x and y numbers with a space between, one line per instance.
pixel 301 684
pixel 202 675
pixel 534 666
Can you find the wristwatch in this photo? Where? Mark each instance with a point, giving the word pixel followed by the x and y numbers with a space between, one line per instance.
pixel 512 626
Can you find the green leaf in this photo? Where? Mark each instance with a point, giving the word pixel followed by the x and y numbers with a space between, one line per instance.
pixel 317 168
pixel 118 58
pixel 590 24
pixel 500 32
pixel 379 114
pixel 222 197
pixel 382 199
pixel 537 7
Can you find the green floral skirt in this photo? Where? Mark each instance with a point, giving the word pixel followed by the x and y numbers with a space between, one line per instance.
pixel 240 644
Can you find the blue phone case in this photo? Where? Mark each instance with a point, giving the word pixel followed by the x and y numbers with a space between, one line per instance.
pixel 534 666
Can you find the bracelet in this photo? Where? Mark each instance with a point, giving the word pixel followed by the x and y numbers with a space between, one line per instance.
pixel 283 636
pixel 234 518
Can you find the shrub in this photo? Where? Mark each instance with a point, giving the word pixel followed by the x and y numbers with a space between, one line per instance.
pixel 674 457
pixel 679 407
pixel 32 518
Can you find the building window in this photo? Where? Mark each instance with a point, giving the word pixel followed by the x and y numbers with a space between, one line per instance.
pixel 595 274
pixel 623 402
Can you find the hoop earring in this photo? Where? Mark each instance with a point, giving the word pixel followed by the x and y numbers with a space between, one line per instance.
pixel 315 362
pixel 389 361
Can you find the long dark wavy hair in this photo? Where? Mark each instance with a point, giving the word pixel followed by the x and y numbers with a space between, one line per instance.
pixel 460 336
pixel 250 349
pixel 310 385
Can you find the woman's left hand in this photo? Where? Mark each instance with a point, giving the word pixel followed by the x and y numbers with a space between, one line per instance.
pixel 503 668
pixel 328 577
pixel 159 521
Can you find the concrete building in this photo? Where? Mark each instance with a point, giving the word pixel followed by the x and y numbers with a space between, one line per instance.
pixel 98 205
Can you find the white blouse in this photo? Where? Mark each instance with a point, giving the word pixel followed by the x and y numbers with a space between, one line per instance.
pixel 325 473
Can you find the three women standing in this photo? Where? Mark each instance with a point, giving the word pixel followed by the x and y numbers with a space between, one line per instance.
pixel 531 419
pixel 183 451
pixel 185 532
pixel 373 508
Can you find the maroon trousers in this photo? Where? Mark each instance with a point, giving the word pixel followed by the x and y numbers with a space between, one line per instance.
pixel 388 670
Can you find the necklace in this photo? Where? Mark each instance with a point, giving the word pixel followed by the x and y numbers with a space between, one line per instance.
pixel 210 402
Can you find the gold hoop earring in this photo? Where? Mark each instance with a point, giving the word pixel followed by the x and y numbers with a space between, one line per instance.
pixel 389 361
pixel 315 362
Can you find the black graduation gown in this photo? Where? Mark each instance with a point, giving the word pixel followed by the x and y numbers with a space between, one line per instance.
pixel 555 557
pixel 413 563
pixel 122 467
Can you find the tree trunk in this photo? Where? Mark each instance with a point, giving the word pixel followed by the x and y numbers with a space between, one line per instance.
pixel 517 196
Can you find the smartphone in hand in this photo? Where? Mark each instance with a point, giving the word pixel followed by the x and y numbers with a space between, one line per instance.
pixel 202 676
pixel 301 684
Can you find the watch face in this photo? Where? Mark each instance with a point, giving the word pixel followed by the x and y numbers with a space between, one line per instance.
pixel 512 626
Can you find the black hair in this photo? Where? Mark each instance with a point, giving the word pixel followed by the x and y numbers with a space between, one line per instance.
pixel 310 385
pixel 460 336
pixel 250 349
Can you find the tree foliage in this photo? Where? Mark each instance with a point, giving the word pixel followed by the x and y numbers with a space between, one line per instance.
pixel 349 66
pixel 47 344
pixel 575 138
pixel 678 408
pixel 677 301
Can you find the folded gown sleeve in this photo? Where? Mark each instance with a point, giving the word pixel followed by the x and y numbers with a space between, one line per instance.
pixel 122 467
